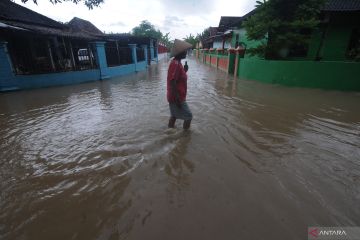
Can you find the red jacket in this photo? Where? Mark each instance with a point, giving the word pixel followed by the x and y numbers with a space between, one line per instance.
pixel 176 72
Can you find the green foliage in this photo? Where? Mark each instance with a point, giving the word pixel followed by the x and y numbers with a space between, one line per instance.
pixel 204 35
pixel 166 40
pixel 146 29
pixel 283 24
pixel 192 40
pixel 89 3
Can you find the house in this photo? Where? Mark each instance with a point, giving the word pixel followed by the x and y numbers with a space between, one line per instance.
pixel 121 41
pixel 336 39
pixel 330 59
pixel 209 41
pixel 339 35
pixel 225 31
pixel 36 51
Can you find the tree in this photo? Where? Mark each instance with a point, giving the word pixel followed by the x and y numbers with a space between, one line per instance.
pixel 167 41
pixel 282 25
pixel 146 29
pixel 192 40
pixel 204 35
pixel 89 3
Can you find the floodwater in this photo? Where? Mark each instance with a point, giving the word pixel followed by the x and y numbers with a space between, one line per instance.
pixel 96 160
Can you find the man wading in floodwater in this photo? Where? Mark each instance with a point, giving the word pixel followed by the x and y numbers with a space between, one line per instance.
pixel 177 85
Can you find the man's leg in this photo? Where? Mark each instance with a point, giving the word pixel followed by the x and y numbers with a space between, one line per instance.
pixel 186 124
pixel 172 122
pixel 187 114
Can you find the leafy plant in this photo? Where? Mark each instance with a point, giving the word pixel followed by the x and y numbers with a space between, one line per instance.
pixel 89 3
pixel 191 39
pixel 282 24
pixel 147 29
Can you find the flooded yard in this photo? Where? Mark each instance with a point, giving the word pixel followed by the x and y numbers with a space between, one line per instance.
pixel 96 160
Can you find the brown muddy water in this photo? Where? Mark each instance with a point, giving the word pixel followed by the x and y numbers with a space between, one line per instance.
pixel 96 160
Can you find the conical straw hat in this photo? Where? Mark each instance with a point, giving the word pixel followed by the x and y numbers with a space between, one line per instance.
pixel 179 47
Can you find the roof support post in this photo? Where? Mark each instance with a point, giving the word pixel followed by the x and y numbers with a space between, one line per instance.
pixel 50 55
pixel 72 56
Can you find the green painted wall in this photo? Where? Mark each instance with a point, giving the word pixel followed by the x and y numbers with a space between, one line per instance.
pixel 249 43
pixel 325 75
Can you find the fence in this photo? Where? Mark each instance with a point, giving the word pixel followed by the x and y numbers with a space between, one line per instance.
pixel 43 56
pixel 335 75
pixel 116 56
pixel 140 54
pixel 162 49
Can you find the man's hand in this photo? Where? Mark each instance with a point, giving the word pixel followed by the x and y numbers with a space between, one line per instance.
pixel 186 67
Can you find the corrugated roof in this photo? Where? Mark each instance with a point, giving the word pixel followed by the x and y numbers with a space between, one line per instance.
pixel 342 5
pixel 15 12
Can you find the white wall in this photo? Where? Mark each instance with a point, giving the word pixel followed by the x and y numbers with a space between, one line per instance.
pixel 219 44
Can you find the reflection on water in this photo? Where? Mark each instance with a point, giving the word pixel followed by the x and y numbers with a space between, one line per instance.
pixel 96 161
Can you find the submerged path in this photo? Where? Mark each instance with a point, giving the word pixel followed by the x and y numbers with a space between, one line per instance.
pixel 96 161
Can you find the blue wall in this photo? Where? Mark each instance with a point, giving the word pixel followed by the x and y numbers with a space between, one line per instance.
pixel 120 70
pixel 141 66
pixel 53 79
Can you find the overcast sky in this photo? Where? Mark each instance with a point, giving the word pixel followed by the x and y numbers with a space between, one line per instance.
pixel 180 18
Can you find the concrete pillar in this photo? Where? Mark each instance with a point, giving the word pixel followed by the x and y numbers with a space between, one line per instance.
pixel 144 47
pixel 101 59
pixel 231 62
pixel 151 49
pixel 6 69
pixel 133 53
pixel 237 62
pixel 157 52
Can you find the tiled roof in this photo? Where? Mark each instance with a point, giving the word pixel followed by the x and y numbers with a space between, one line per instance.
pixel 80 25
pixel 227 22
pixel 43 30
pixel 213 31
pixel 14 12
pixel 14 16
pixel 342 5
